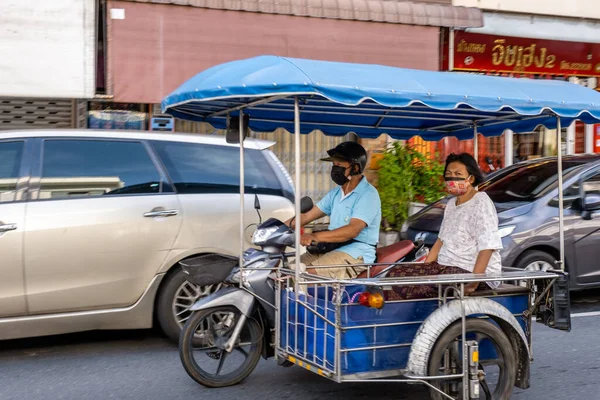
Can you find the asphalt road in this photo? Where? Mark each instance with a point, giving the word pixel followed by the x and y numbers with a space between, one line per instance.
pixel 144 365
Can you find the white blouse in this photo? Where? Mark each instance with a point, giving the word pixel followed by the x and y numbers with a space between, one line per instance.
pixel 468 229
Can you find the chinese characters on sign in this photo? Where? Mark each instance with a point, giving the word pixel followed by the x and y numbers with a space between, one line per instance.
pixel 476 52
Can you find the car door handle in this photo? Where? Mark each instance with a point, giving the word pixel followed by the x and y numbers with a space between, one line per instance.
pixel 161 213
pixel 8 227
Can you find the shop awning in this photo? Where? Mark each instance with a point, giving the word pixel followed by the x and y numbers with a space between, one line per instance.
pixel 371 99
pixel 395 12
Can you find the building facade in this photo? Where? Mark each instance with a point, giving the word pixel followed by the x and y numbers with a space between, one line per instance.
pixel 152 46
pixel 531 40
pixel 107 64
pixel 48 63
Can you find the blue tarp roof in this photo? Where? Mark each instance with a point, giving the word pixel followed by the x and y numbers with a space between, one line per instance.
pixel 369 100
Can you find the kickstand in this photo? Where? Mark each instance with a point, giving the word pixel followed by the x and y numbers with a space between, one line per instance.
pixel 486 389
pixel 483 383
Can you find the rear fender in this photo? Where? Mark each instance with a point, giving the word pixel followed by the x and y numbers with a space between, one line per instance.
pixel 443 317
pixel 268 331
pixel 227 296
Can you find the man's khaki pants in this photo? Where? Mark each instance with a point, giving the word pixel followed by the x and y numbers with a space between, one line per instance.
pixel 333 258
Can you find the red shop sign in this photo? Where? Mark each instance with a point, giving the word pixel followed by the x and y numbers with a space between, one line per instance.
pixel 490 53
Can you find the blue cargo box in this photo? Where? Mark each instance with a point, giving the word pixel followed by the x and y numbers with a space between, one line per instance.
pixel 311 335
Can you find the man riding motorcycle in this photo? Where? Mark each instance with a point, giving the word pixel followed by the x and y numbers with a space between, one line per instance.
pixel 354 209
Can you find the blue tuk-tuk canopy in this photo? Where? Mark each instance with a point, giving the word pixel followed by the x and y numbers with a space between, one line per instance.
pixel 370 100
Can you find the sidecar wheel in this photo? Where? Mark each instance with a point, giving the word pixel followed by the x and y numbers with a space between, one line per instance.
pixel 501 372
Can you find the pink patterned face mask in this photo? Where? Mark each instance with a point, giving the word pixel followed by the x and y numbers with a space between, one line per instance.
pixel 457 186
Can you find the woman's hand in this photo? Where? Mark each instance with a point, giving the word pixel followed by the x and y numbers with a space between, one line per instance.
pixel 433 253
pixel 470 288
pixel 483 258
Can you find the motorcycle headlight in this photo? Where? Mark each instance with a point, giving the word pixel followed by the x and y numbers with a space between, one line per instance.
pixel 261 235
pixel 506 230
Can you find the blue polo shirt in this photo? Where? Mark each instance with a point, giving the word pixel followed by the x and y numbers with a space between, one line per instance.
pixel 362 203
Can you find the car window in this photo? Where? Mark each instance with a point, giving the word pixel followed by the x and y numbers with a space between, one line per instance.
pixel 10 162
pixel 529 183
pixel 85 168
pixel 202 168
pixel 591 185
pixel 570 194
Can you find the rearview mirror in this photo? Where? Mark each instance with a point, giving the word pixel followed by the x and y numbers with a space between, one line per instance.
pixel 256 202
pixel 591 202
pixel 306 204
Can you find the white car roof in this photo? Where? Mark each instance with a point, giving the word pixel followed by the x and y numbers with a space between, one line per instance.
pixel 249 143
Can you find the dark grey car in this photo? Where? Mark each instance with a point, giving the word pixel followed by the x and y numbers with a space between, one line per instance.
pixel 526 198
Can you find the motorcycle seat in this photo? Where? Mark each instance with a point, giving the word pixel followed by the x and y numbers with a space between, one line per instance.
pixel 389 254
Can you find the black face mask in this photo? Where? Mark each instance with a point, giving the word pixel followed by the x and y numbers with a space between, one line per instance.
pixel 338 175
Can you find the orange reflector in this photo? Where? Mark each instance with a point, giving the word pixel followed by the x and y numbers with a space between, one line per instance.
pixel 368 299
pixel 475 357
pixel 376 300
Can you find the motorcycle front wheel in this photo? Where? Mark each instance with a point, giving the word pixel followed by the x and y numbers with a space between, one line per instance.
pixel 201 347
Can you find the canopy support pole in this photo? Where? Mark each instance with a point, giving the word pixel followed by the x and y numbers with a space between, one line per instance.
pixel 475 144
pixel 242 198
pixel 451 50
pixel 508 148
pixel 561 222
pixel 297 190
pixel 589 139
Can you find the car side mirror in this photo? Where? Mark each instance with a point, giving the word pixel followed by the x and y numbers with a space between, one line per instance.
pixel 591 202
pixel 256 202
pixel 306 204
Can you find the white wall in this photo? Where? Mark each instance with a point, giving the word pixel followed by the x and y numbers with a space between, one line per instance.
pixel 564 8
pixel 47 48
pixel 539 27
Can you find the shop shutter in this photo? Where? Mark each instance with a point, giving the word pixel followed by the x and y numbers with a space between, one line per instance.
pixel 35 114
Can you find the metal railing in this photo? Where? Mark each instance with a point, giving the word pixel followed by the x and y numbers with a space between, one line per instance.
pixel 312 323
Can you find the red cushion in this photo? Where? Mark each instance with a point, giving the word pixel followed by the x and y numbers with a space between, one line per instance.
pixel 394 252
pixel 389 254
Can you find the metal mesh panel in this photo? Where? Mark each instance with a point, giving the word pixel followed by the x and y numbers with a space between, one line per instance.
pixel 81 114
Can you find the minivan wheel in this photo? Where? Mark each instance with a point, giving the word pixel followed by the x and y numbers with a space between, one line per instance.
pixel 535 260
pixel 174 301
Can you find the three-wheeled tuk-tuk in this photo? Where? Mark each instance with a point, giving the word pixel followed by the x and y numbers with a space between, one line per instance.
pixel 345 330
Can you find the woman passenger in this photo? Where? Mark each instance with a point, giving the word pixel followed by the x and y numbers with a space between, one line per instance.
pixel 468 240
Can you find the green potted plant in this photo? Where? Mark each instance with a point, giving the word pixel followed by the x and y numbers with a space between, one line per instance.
pixel 408 180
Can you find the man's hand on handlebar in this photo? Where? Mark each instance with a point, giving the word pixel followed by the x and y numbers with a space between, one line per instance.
pixel 307 239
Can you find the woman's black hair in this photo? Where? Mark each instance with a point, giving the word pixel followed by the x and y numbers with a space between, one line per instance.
pixel 470 164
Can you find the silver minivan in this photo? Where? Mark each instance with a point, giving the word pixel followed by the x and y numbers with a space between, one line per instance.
pixel 93 224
